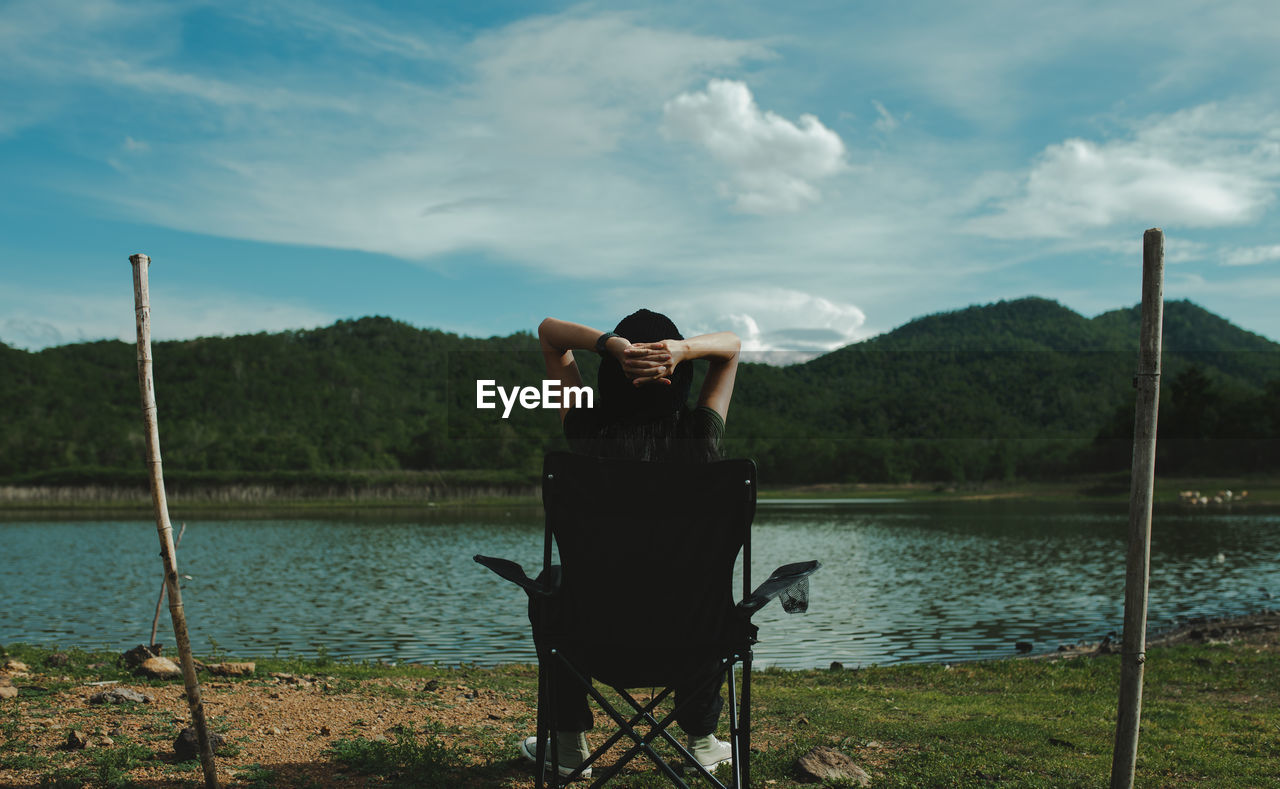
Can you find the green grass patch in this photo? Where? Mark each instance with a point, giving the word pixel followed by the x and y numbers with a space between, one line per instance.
pixel 411 759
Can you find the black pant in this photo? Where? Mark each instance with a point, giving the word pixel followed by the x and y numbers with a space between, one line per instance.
pixel 697 696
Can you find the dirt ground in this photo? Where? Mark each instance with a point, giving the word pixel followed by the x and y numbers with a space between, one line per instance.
pixel 282 724
pixel 279 725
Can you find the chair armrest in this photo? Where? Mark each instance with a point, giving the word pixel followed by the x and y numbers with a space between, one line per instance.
pixel 514 573
pixel 790 582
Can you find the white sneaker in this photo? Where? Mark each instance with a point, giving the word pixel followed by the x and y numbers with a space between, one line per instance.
pixel 573 751
pixel 710 752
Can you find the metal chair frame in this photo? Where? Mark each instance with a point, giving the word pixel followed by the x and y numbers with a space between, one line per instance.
pixel 544 590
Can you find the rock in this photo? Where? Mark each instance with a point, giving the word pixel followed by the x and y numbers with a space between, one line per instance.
pixel 1023 646
pixel 232 669
pixel 105 741
pixel 8 692
pixel 187 745
pixel 159 668
pixel 57 659
pixel 120 696
pixel 830 766
pixel 836 666
pixel 141 653
pixel 76 740
pixel 12 666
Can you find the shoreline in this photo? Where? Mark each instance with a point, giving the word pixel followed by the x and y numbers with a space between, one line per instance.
pixel 16 500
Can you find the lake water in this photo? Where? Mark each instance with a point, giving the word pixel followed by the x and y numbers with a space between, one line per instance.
pixel 901 582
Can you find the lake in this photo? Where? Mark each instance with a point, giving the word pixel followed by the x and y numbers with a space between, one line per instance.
pixel 901 581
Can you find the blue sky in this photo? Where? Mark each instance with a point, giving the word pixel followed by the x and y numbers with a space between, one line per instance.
pixel 807 174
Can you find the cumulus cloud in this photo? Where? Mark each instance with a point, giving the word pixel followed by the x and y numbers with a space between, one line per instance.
pixel 526 152
pixel 1209 166
pixel 64 317
pixel 1251 256
pixel 773 164
pixel 778 326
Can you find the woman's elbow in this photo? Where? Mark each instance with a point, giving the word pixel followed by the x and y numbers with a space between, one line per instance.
pixel 734 344
pixel 546 329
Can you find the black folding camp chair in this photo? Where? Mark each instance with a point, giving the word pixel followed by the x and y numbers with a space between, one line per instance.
pixel 642 596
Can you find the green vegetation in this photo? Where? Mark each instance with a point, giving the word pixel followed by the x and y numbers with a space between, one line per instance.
pixel 1211 713
pixel 409 760
pixel 373 408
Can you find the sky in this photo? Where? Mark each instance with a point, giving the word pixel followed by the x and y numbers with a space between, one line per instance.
pixel 806 174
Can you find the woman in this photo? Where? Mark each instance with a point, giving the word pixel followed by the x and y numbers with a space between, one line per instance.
pixel 643 413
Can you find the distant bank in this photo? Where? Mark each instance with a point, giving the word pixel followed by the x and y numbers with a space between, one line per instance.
pixel 422 489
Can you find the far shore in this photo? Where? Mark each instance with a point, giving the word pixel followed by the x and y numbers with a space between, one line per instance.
pixel 272 498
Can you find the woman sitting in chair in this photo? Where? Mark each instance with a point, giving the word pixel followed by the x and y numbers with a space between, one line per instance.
pixel 643 413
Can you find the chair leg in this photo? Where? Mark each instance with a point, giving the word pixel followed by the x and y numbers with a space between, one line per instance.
pixel 552 727
pixel 746 721
pixel 735 732
pixel 642 743
pixel 544 729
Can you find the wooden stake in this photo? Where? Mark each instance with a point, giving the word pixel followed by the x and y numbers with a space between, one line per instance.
pixel 142 308
pixel 1133 656
pixel 164 587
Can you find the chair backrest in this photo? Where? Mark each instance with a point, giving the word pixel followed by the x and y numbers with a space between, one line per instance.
pixel 647 552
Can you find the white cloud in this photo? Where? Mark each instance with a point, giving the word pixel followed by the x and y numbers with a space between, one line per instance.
pixel 37 319
pixel 1177 249
pixel 1251 256
pixel 886 122
pixel 776 325
pixel 529 155
pixel 773 164
pixel 1209 166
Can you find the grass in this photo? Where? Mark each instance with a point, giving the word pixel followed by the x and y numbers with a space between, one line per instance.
pixel 408 760
pixel 105 767
pixel 1211 717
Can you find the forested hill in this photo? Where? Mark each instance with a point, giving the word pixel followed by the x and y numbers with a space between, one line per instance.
pixel 1017 388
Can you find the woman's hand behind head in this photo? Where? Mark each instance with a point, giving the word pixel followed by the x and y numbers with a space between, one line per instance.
pixel 651 362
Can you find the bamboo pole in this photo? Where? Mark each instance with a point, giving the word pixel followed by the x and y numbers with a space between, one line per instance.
pixel 1133 655
pixel 164 587
pixel 142 310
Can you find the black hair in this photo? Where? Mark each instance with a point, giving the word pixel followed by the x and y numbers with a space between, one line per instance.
pixel 652 421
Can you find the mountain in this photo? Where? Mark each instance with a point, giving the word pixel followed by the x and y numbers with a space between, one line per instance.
pixel 1007 389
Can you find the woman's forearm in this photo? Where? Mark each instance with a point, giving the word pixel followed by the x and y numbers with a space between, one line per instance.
pixel 561 336
pixel 722 346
